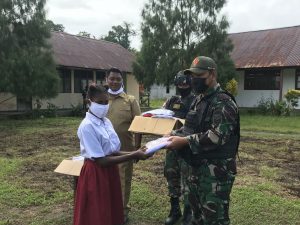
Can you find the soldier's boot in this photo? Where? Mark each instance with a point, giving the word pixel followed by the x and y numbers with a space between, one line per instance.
pixel 187 215
pixel 175 212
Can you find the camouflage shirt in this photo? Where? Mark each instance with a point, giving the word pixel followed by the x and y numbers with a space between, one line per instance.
pixel 180 105
pixel 221 122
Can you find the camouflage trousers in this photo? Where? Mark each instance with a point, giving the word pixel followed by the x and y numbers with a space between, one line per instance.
pixel 176 171
pixel 210 185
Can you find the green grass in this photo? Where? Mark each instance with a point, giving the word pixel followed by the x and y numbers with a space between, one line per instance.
pixel 157 103
pixel 288 125
pixel 250 206
pixel 265 191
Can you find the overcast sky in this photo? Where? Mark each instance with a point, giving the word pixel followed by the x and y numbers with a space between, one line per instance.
pixel 98 16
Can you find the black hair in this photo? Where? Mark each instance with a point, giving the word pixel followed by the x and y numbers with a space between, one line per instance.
pixel 114 70
pixel 95 89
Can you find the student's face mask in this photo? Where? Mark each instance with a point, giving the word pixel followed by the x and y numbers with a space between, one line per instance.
pixel 98 109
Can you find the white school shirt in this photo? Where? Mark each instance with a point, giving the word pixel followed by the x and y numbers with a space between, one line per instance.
pixel 97 137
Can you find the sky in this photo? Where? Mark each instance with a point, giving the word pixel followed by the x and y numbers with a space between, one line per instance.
pixel 98 16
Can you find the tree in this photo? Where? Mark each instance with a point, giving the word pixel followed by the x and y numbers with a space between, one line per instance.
pixel 84 34
pixel 26 63
pixel 120 34
pixel 55 27
pixel 176 31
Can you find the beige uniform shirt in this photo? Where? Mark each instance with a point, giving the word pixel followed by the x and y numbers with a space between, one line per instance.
pixel 122 110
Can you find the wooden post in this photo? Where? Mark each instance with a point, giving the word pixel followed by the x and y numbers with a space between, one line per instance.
pixel 281 85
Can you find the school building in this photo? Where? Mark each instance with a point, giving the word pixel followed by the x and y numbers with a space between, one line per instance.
pixel 80 61
pixel 267 63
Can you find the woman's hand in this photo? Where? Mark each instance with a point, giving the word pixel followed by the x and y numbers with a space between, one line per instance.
pixel 141 155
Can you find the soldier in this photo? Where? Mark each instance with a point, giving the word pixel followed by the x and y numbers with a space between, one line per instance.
pixel 209 144
pixel 176 169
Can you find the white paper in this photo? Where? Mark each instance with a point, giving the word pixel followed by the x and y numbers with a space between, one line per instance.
pixel 155 145
pixel 78 158
pixel 161 112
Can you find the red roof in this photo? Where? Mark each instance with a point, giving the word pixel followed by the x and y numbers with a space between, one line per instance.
pixel 267 48
pixel 75 51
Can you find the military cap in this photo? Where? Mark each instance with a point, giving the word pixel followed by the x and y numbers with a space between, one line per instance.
pixel 201 64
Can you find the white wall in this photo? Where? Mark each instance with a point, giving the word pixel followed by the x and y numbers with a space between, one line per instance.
pixel 160 92
pixel 62 101
pixel 7 102
pixel 132 86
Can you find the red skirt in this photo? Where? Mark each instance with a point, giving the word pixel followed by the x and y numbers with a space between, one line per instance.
pixel 98 198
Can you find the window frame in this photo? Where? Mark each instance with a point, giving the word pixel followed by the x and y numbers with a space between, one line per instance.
pixel 65 76
pixel 261 76
pixel 100 77
pixel 297 79
pixel 82 75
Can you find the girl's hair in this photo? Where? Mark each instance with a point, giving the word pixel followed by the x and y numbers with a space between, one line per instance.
pixel 95 89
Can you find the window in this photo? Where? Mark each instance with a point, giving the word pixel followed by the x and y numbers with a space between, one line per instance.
pixel 100 77
pixel 297 83
pixel 262 80
pixel 65 80
pixel 82 78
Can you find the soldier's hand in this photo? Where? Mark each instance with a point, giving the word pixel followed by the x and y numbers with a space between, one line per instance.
pixel 167 135
pixel 177 143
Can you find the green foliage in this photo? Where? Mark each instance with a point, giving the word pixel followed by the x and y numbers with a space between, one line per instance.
pixel 77 110
pixel 26 63
pixel 292 97
pixel 120 34
pixel 271 107
pixel 157 103
pixel 232 87
pixel 84 34
pixel 55 27
pixel 175 32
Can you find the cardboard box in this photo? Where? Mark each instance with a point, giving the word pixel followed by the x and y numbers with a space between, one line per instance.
pixel 70 167
pixel 157 126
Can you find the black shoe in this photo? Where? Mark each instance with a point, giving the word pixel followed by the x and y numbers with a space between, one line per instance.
pixel 175 212
pixel 187 215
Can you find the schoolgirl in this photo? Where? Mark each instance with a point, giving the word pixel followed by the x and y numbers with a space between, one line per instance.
pixel 98 198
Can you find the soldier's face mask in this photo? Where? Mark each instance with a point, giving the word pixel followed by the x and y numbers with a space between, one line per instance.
pixel 199 84
pixel 184 91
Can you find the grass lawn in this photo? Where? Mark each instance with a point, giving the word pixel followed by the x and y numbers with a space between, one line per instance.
pixel 266 191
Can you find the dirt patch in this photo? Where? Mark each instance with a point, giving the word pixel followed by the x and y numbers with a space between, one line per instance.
pixel 41 151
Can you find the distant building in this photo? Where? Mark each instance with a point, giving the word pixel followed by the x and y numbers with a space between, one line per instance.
pixel 267 62
pixel 80 61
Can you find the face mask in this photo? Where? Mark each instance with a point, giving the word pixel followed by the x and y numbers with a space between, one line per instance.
pixel 116 92
pixel 99 110
pixel 198 84
pixel 184 91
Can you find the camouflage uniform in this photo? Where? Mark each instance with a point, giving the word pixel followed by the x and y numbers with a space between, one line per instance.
pixel 176 169
pixel 212 130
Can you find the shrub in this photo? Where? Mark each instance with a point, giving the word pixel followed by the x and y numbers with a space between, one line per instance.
pixel 292 97
pixel 77 110
pixel 275 108
pixel 232 87
pixel 51 110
